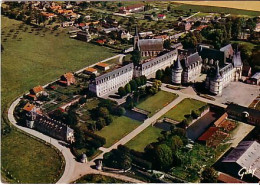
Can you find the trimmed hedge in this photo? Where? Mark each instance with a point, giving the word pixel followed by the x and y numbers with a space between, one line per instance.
pixel 141 162
pixel 95 136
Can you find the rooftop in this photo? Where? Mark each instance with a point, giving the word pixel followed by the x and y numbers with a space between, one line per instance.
pixel 90 69
pixel 256 76
pixel 28 107
pixel 102 64
pixel 206 135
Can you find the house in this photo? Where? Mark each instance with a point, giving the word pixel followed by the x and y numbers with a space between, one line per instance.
pixel 246 71
pixel 245 156
pixel 131 9
pixel 146 34
pixel 255 79
pixel 67 24
pixel 126 35
pixel 48 15
pixel 163 37
pixel 36 92
pixel 103 66
pixel 184 25
pixel 101 41
pixel 67 79
pixel 161 16
pixel 84 36
pixel 90 70
pixel 244 114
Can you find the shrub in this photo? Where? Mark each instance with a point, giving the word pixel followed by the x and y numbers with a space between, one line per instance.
pixel 97 137
pixel 141 162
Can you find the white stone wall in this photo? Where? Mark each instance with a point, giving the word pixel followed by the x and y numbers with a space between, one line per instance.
pixel 106 86
pixel 192 73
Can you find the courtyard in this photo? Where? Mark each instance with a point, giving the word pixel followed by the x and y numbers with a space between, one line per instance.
pixel 240 93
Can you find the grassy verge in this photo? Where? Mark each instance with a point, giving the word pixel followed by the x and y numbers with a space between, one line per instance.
pixel 146 137
pixel 120 127
pixel 183 108
pixel 155 103
pixel 29 161
pixel 94 178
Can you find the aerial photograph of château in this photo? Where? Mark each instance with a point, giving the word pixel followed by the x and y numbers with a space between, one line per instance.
pixel 130 92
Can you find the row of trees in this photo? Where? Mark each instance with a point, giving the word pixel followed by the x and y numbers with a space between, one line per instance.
pixel 162 74
pixel 132 86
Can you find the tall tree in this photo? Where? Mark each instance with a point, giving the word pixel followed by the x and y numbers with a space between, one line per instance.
pixel 209 175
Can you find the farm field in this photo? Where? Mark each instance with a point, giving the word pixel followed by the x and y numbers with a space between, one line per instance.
pixel 30 59
pixel 243 5
pixel 120 127
pixel 178 112
pixel 146 137
pixel 154 103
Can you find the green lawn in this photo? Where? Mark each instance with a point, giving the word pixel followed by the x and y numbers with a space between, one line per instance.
pixel 26 62
pixel 184 107
pixel 155 103
pixel 146 137
pixel 94 178
pixel 29 161
pixel 120 127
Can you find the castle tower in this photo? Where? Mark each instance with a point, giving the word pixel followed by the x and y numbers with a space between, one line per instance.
pixel 177 72
pixel 136 39
pixel 216 84
pixel 84 158
pixel 30 119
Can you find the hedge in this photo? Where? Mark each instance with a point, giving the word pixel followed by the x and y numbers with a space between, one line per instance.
pixel 95 136
pixel 141 162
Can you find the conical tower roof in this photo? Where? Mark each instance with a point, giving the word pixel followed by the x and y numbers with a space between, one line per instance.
pixel 177 64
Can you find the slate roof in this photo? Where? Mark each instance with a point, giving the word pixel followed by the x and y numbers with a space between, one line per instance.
pixel 237 61
pixel 212 54
pixel 193 58
pixel 240 109
pixel 177 64
pixel 246 154
pixel 150 44
pixel 228 50
pixel 256 76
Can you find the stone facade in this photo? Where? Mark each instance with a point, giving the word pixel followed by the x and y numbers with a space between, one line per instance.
pixel 111 81
pixel 187 68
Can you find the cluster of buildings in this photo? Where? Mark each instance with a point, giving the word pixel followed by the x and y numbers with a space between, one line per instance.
pixel 225 66
pixel 36 120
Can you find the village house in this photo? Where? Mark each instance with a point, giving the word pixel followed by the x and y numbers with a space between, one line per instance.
pixel 161 16
pixel 67 24
pixel 131 9
pixel 84 36
pixel 36 92
pixel 48 15
pixel 126 35
pixel 67 79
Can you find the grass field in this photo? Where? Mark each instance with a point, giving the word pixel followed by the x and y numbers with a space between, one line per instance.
pixel 26 62
pixel 120 127
pixel 146 137
pixel 229 7
pixel 94 178
pixel 29 160
pixel 155 103
pixel 184 107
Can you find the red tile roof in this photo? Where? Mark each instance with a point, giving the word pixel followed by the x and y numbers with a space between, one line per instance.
pixel 68 76
pixel 161 15
pixel 228 179
pixel 206 135
pixel 91 69
pixel 101 64
pixel 37 89
pixel 28 107
pixel 132 7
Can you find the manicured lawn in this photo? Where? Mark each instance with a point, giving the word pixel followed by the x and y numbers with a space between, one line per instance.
pixel 94 178
pixel 184 107
pixel 30 59
pixel 155 103
pixel 146 137
pixel 29 160
pixel 120 127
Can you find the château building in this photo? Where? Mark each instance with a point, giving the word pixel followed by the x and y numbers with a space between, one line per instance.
pixel 112 80
pixel 187 67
